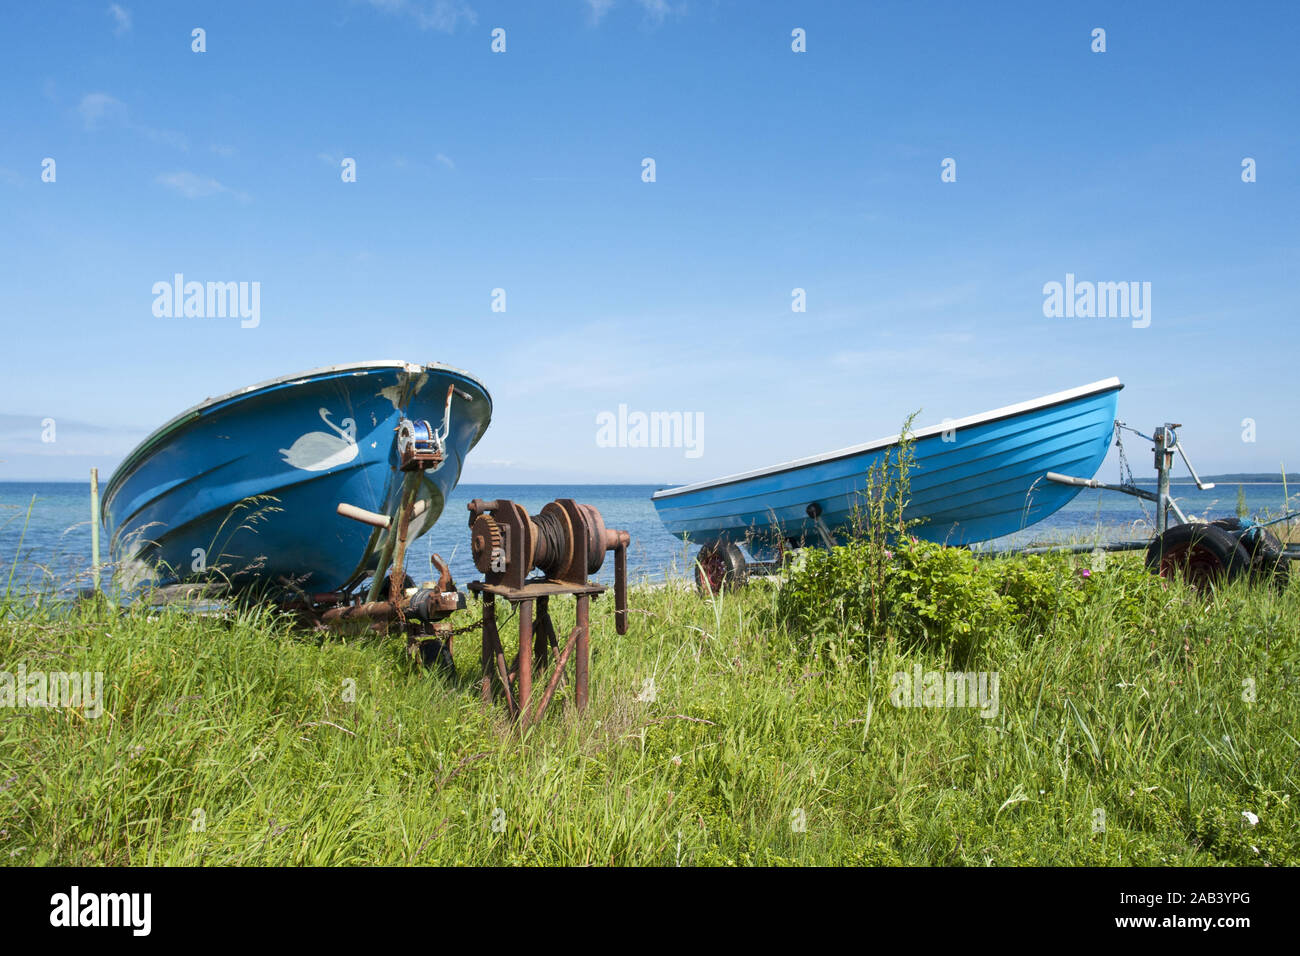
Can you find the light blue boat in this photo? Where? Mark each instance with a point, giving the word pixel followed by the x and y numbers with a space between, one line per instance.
pixel 243 489
pixel 974 479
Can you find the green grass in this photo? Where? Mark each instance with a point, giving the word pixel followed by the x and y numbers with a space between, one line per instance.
pixel 751 729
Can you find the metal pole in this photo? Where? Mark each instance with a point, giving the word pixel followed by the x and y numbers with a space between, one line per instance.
pixel 409 488
pixel 620 588
pixel 489 644
pixel 525 660
pixel 544 632
pixel 94 528
pixel 1164 461
pixel 580 665
pixel 557 675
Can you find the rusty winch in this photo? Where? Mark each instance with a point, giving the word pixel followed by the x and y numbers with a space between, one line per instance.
pixel 566 542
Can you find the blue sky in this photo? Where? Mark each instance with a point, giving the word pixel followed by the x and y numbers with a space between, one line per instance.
pixel 775 170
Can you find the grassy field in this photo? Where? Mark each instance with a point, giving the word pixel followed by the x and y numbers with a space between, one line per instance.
pixel 1150 726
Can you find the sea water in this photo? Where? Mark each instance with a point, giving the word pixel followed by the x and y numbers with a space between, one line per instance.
pixel 45 526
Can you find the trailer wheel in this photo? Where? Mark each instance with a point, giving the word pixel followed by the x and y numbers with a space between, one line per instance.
pixel 719 568
pixel 436 653
pixel 1259 541
pixel 1264 547
pixel 1202 554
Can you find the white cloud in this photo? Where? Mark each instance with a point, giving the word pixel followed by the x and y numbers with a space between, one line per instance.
pixel 598 8
pixel 193 186
pixel 445 15
pixel 164 136
pixel 101 110
pixel 121 19
pixel 403 162
pixel 441 15
pixel 658 10
pixel 97 109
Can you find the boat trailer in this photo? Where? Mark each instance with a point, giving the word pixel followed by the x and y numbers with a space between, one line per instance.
pixel 1201 552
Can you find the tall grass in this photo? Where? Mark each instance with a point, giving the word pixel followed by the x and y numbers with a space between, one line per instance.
pixel 6 602
pixel 1126 734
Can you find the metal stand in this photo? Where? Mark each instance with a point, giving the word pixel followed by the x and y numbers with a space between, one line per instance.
pixel 537 639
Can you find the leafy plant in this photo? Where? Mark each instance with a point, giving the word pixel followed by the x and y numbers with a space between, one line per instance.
pixel 943 596
pixel 1041 589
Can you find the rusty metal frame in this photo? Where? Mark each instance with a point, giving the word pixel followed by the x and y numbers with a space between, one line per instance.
pixel 536 639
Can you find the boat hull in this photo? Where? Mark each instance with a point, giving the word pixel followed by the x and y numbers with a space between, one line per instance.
pixel 973 480
pixel 243 489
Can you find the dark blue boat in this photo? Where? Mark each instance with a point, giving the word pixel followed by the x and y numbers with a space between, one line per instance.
pixel 974 479
pixel 243 489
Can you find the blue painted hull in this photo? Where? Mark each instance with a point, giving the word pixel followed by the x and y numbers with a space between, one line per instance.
pixel 987 480
pixel 243 489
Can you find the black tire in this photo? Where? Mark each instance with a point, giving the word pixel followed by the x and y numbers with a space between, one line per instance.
pixel 436 653
pixel 1260 543
pixel 1201 554
pixel 1265 550
pixel 720 567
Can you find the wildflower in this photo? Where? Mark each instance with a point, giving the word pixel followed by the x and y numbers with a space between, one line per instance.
pixel 1249 817
pixel 676 761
